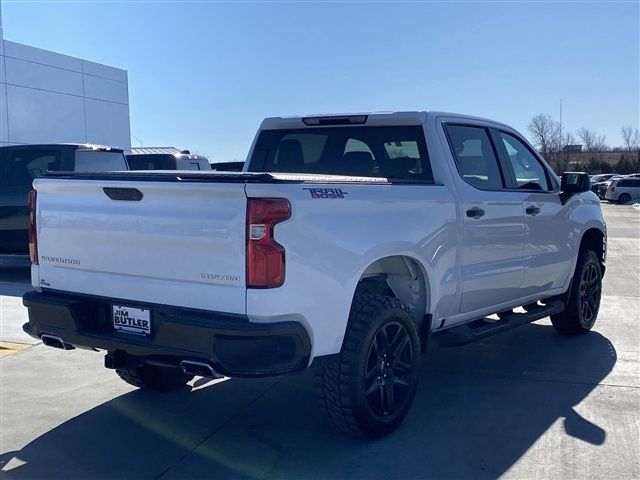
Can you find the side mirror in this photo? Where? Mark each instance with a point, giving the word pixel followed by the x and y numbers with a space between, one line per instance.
pixel 575 182
pixel 572 183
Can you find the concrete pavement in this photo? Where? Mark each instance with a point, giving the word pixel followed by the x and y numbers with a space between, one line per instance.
pixel 13 284
pixel 524 404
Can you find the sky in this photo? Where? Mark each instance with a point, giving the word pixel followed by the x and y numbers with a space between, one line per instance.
pixel 203 74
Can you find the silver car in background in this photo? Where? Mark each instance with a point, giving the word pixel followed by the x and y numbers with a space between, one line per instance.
pixel 623 190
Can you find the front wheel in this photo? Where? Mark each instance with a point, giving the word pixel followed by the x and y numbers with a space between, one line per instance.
pixel 368 389
pixel 583 301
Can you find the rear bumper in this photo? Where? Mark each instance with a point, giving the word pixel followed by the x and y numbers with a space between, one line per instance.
pixel 233 345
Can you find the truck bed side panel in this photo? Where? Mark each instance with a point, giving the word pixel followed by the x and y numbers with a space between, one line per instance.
pixel 329 242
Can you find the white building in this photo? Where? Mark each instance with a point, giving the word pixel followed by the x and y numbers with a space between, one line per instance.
pixel 47 97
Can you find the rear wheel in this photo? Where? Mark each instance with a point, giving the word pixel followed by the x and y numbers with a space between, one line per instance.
pixel 624 198
pixel 369 387
pixel 583 301
pixel 153 377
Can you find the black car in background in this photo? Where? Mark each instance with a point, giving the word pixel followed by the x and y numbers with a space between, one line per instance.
pixel 597 179
pixel 20 165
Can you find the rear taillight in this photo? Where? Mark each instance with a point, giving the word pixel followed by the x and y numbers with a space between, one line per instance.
pixel 265 257
pixel 33 235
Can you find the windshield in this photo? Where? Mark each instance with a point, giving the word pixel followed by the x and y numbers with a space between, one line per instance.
pixel 97 161
pixel 388 152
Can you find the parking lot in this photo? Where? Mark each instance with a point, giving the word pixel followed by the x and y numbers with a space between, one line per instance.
pixel 528 403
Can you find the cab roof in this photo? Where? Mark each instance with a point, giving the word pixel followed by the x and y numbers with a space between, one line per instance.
pixel 363 118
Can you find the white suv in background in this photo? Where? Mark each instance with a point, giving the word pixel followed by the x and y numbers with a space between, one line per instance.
pixel 623 190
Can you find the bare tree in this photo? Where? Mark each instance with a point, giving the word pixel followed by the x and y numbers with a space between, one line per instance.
pixel 593 142
pixel 600 144
pixel 569 139
pixel 588 138
pixel 631 138
pixel 544 131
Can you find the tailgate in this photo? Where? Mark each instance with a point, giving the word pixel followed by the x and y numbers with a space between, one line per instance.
pixel 180 244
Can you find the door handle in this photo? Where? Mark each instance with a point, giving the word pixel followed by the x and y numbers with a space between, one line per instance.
pixel 475 212
pixel 532 210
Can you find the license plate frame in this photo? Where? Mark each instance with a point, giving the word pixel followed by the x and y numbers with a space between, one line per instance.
pixel 129 319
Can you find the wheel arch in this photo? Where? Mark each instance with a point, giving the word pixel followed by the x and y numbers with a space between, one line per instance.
pixel 404 276
pixel 594 239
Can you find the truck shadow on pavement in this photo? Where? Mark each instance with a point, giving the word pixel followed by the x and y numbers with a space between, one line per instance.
pixel 478 409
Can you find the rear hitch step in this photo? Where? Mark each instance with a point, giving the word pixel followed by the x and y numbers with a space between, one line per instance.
pixel 479 329
pixel 117 359
pixel 55 341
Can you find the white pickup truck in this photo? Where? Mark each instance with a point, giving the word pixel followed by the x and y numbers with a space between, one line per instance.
pixel 345 243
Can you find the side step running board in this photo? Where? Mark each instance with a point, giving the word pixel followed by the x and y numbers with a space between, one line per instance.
pixel 483 328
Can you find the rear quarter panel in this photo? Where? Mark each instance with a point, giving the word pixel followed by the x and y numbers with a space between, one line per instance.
pixel 329 243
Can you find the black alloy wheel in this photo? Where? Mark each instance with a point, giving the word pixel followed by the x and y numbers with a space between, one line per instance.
pixel 388 375
pixel 589 295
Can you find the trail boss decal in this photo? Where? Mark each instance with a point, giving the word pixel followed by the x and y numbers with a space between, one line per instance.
pixel 326 192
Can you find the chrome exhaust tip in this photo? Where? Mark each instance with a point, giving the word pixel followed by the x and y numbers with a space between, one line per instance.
pixel 55 341
pixel 198 368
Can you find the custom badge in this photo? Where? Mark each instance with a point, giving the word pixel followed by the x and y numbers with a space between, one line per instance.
pixel 326 192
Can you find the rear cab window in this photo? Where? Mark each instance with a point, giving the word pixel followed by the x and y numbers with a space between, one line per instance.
pixel 393 152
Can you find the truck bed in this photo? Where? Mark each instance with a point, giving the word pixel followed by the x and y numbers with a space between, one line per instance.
pixel 218 177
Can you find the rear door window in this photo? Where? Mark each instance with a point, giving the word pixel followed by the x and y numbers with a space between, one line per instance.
pixel 98 161
pixel 475 157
